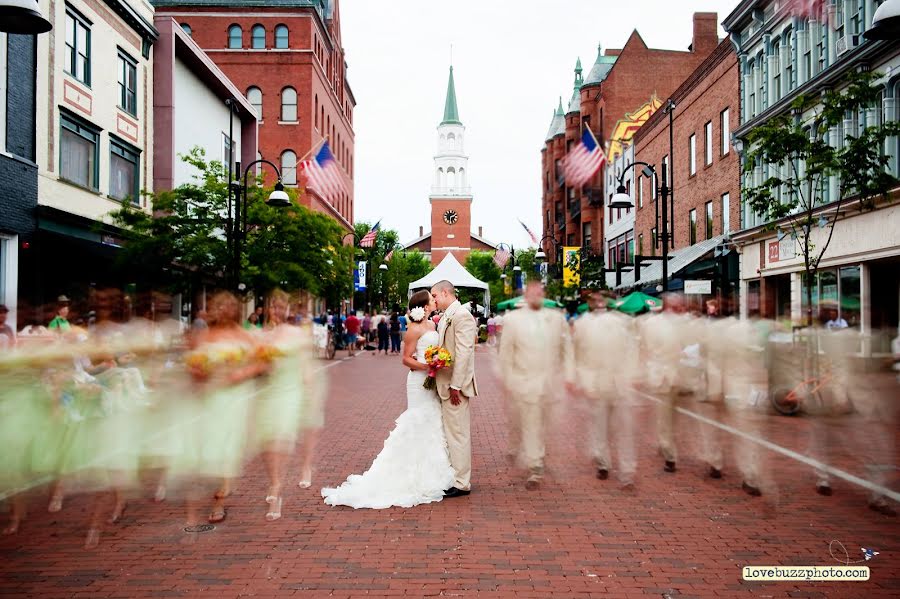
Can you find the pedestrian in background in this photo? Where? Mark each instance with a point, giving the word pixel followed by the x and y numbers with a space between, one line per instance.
pixel 352 325
pixel 395 333
pixel 383 328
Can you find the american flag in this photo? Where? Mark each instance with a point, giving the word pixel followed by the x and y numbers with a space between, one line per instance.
pixel 534 238
pixel 501 257
pixel 324 174
pixel 370 237
pixel 584 161
pixel 390 255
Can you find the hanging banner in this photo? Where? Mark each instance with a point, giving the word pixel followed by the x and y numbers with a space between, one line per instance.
pixel 571 266
pixel 359 277
pixel 543 269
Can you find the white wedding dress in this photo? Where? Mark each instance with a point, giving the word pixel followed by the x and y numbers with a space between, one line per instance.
pixel 414 466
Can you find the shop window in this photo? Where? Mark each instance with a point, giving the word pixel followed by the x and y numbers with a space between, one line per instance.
pixel 124 169
pixel 79 152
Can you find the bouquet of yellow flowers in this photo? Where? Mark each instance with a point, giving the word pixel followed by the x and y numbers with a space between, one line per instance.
pixel 437 358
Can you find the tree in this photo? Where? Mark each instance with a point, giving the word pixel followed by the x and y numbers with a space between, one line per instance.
pixel 291 247
pixel 796 148
pixel 403 268
pixel 481 265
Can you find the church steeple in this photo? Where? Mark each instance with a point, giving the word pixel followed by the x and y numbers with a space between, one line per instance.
pixel 451 113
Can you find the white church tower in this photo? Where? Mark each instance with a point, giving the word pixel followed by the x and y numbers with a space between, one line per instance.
pixel 450 162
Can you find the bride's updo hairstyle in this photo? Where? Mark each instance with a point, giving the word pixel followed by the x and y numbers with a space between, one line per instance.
pixel 420 300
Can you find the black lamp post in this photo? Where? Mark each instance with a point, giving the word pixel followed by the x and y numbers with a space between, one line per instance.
pixel 622 200
pixel 541 256
pixel 512 260
pixel 277 199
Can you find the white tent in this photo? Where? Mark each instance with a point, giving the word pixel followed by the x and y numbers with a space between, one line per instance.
pixel 451 270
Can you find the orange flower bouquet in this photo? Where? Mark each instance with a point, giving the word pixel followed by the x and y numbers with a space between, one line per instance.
pixel 437 358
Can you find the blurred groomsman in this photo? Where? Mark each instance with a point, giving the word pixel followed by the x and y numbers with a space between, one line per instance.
pixel 535 342
pixel 670 348
pixel 605 353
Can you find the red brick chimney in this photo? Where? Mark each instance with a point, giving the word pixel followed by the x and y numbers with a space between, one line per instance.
pixel 706 33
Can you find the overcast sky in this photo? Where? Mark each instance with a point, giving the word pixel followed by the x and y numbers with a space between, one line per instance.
pixel 512 60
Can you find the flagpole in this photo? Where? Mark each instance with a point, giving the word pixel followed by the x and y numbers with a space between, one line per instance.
pixel 315 148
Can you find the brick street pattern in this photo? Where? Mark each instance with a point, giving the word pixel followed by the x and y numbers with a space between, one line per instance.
pixel 677 535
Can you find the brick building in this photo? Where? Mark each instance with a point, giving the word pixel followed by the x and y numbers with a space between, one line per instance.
pixel 18 172
pixel 619 93
pixel 705 201
pixel 286 57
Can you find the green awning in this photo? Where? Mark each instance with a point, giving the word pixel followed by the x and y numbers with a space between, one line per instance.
pixel 518 301
pixel 636 303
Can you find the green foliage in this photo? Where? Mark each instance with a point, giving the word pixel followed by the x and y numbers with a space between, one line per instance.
pixel 387 288
pixel 291 247
pixel 801 162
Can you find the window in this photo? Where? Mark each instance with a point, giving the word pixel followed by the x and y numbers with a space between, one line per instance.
pixel 79 145
pixel 235 37
pixel 289 167
pixel 725 127
pixel 726 213
pixel 258 37
pixel 570 239
pixel 653 241
pixel 775 67
pixel 692 217
pixel 78 47
pixel 640 191
pixel 668 175
pixel 227 153
pixel 707 129
pixel 123 172
pixel 127 84
pixel 586 235
pixel 692 157
pixel 640 250
pixel 289 105
pixel 281 37
pixel 187 29
pixel 709 220
pixel 629 247
pixel 254 94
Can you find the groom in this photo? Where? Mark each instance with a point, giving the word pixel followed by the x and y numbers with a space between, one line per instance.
pixel 456 385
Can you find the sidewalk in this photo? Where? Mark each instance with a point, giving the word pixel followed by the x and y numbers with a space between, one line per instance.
pixel 676 535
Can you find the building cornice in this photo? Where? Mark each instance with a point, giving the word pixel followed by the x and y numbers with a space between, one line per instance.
pixel 139 24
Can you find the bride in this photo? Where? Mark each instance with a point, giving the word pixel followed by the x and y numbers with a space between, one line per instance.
pixel 414 466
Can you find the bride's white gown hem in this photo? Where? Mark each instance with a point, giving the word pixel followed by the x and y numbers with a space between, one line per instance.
pixel 414 466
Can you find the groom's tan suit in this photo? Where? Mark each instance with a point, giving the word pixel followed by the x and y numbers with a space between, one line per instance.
pixel 458 330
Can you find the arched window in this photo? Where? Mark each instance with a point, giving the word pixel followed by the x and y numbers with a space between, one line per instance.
pixel 316 111
pixel 289 167
pixel 235 37
pixel 451 140
pixel 186 28
pixel 255 96
pixel 289 105
pixel 281 37
pixel 258 37
pixel 451 178
pixel 440 177
pixel 462 177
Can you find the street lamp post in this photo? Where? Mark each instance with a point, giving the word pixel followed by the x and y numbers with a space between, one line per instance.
pixel 512 260
pixel 383 267
pixel 622 200
pixel 277 199
pixel 541 256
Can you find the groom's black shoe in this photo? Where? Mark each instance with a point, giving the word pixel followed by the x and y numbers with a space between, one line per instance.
pixel 454 492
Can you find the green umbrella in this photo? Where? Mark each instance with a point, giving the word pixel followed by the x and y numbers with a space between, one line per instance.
pixel 583 308
pixel 518 301
pixel 636 303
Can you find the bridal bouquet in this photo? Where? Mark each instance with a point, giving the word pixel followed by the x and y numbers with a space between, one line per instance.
pixel 437 358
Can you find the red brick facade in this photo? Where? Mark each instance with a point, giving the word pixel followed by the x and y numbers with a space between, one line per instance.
pixel 313 64
pixel 703 98
pixel 639 73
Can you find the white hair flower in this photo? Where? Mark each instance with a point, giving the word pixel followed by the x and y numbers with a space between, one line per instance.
pixel 417 314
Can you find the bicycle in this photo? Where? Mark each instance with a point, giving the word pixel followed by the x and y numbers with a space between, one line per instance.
pixel 807 395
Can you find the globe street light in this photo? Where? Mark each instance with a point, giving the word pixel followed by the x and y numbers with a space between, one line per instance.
pixel 22 16
pixel 885 22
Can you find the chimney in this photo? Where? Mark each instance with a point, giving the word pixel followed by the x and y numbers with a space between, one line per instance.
pixel 479 231
pixel 706 33
pixel 421 231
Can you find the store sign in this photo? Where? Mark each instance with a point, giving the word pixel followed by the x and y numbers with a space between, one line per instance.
pixel 698 287
pixel 782 250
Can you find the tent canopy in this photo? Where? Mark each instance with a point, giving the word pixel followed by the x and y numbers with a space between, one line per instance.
pixel 519 301
pixel 451 270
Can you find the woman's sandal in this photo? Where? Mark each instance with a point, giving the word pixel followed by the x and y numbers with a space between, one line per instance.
pixel 217 515
pixel 274 510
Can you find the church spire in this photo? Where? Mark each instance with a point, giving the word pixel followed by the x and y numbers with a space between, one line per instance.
pixel 451 113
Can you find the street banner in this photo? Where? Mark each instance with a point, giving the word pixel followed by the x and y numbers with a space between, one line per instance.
pixel 507 287
pixel 544 272
pixel 571 266
pixel 698 287
pixel 359 278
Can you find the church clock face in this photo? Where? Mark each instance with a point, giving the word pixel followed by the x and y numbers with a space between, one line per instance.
pixel 450 217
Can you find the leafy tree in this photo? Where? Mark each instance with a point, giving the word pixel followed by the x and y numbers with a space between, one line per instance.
pixel 291 247
pixel 796 148
pixel 403 269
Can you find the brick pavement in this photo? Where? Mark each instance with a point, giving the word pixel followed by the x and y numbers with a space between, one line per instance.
pixel 677 535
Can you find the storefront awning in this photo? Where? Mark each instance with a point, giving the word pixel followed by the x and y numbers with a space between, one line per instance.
pixel 679 260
